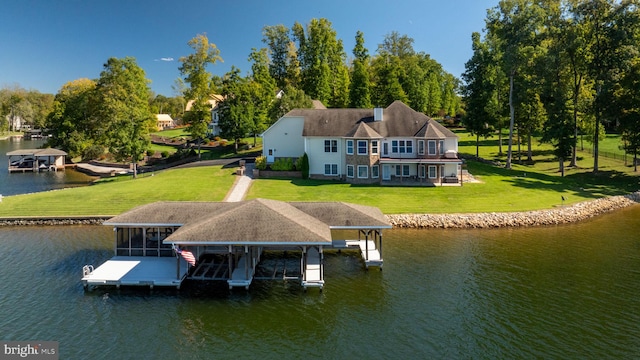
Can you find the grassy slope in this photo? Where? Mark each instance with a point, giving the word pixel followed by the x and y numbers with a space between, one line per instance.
pixel 114 197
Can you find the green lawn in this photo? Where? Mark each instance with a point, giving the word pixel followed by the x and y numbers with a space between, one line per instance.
pixel 525 187
pixel 522 188
pixel 173 133
pixel 113 196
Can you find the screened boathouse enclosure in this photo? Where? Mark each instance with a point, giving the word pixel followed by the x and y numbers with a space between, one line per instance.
pixel 228 240
pixel 143 241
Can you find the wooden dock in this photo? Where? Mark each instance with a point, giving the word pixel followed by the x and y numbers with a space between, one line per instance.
pixel 137 271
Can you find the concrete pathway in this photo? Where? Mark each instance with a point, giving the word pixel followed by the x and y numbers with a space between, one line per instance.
pixel 241 185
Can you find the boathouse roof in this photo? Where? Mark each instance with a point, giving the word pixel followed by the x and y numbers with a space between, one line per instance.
pixel 37 152
pixel 258 221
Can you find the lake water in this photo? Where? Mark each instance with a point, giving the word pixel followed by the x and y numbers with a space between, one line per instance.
pixel 24 183
pixel 556 292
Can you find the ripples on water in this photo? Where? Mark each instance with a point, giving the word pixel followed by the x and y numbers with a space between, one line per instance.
pixel 557 292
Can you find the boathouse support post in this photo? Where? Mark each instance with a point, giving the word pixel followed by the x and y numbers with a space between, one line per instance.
pixel 230 260
pixel 321 262
pixel 246 262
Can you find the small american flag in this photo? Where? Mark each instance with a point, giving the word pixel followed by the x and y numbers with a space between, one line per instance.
pixel 187 255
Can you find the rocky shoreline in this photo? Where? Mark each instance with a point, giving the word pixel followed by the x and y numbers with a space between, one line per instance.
pixel 54 221
pixel 561 215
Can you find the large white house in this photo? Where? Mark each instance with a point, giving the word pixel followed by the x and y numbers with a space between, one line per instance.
pixel 367 146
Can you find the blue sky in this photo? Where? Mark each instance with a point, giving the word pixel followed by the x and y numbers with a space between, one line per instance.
pixel 46 43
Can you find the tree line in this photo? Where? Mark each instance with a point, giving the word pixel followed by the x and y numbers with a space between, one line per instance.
pixel 310 62
pixel 557 68
pixel 114 113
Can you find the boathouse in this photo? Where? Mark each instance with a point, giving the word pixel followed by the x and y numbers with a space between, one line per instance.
pixel 227 240
pixel 34 160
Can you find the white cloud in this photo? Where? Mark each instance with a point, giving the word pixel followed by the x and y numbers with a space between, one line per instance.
pixel 164 59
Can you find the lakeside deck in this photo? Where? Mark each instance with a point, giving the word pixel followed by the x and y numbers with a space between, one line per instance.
pixel 137 271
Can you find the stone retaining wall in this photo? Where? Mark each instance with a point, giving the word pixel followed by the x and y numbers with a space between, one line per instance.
pixel 561 215
pixel 48 221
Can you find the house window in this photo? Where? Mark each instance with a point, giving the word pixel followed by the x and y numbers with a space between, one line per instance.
pixel 362 147
pixel 432 147
pixel 349 147
pixel 432 172
pixel 402 170
pixel 375 171
pixel 349 171
pixel 402 146
pixel 374 147
pixel 331 169
pixel 441 144
pixel 331 146
pixel 363 172
pixel 421 147
pixel 422 171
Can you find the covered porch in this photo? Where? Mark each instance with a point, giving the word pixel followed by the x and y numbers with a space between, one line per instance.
pixel 421 172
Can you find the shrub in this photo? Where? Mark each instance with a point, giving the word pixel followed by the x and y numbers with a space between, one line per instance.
pixel 261 163
pixel 165 154
pixel 92 152
pixel 150 153
pixel 304 166
pixel 282 164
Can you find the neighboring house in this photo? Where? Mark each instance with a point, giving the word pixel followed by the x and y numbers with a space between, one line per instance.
pixel 15 122
pixel 164 121
pixel 367 146
pixel 214 101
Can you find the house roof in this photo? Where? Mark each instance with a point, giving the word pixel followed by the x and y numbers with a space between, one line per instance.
pixel 399 120
pixel 163 117
pixel 258 221
pixel 213 101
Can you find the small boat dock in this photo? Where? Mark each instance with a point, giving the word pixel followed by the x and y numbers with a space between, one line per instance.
pixel 164 243
pixel 34 160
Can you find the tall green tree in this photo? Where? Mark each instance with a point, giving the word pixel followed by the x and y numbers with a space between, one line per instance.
pixel 557 85
pixel 277 39
pixel 515 23
pixel 199 84
pixel 479 91
pixel 71 123
pixel 607 39
pixel 323 71
pixel 238 109
pixel 360 91
pixel 122 103
pixel 628 101
pixel 263 90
